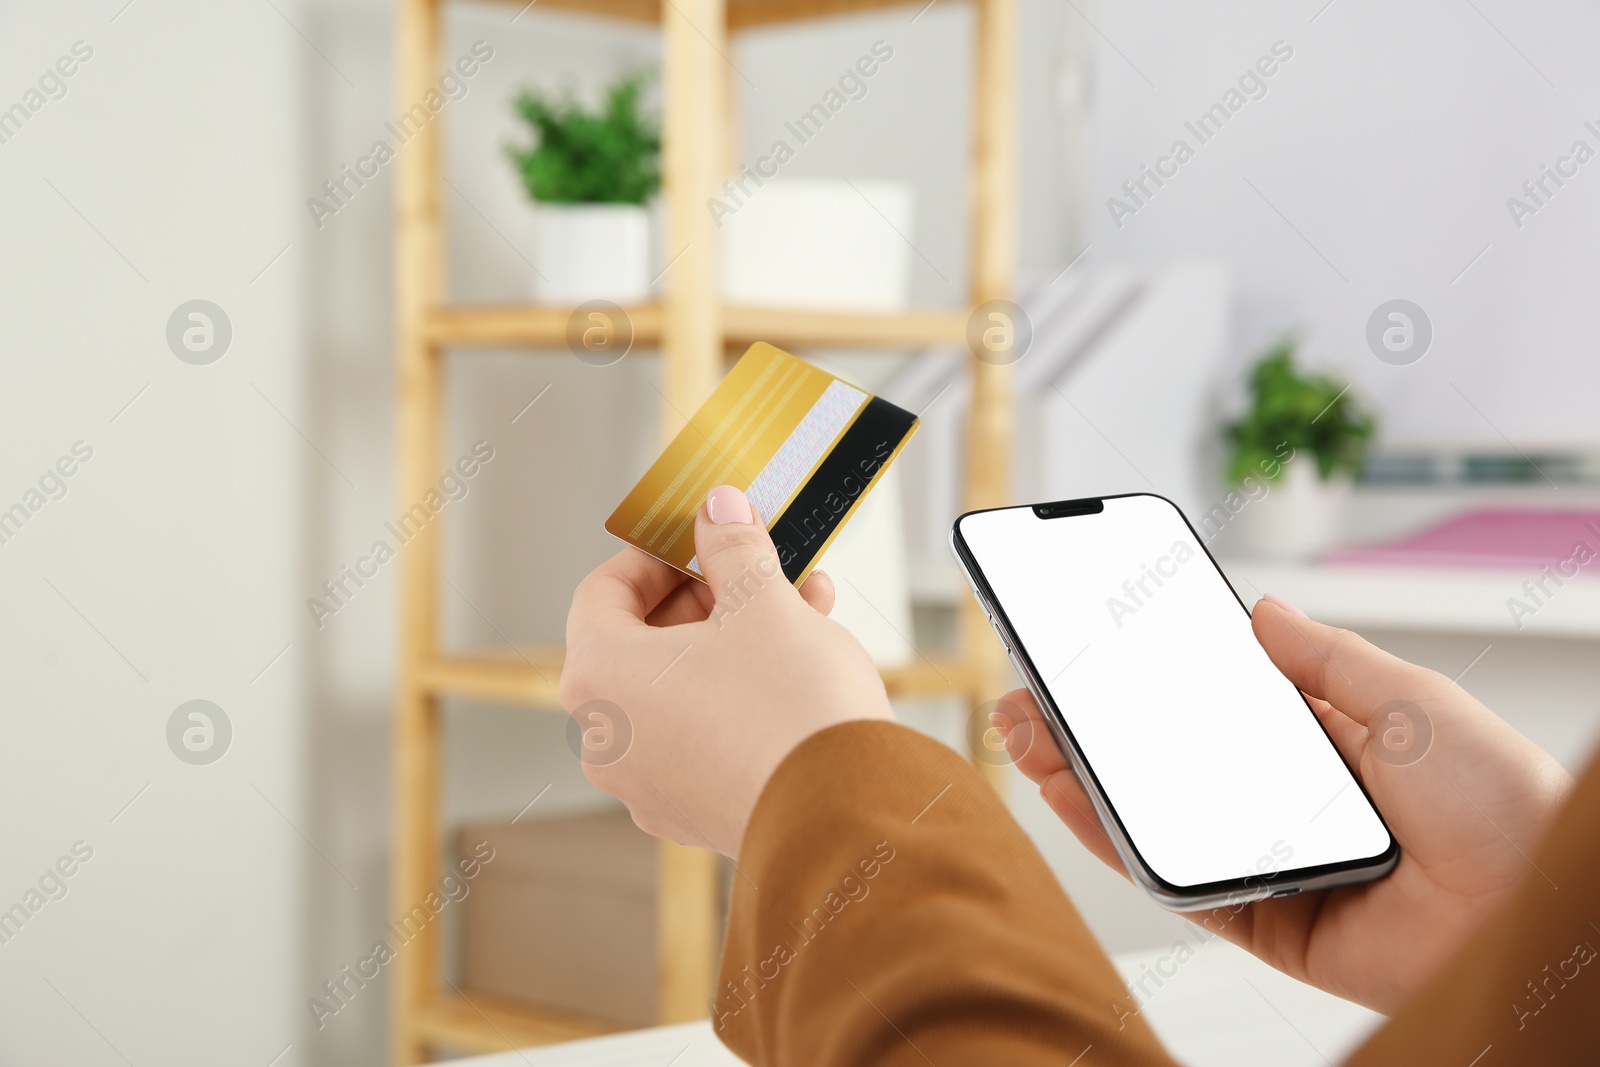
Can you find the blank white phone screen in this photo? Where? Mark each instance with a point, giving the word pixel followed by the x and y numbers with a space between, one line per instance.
pixel 1208 755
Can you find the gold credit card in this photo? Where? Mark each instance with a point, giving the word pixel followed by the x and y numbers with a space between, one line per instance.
pixel 805 447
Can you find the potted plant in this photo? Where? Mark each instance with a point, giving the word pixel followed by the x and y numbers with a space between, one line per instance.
pixel 1294 456
pixel 590 175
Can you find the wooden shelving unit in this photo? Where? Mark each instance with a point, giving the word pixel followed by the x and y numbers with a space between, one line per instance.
pixel 693 329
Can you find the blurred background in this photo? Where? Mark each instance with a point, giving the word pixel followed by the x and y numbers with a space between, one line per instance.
pixel 1320 272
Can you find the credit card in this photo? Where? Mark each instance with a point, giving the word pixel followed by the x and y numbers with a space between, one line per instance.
pixel 805 446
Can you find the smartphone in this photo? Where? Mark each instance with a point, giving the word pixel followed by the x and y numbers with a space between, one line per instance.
pixel 1207 767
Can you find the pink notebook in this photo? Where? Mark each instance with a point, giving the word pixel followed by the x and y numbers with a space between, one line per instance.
pixel 1490 539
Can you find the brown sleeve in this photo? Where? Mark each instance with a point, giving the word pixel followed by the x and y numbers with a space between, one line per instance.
pixel 1525 988
pixel 888 910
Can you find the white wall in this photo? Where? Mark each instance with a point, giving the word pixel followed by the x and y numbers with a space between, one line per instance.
pixel 1391 141
pixel 169 570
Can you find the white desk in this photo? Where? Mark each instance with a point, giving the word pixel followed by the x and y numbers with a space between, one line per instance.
pixel 687 1045
pixel 1221 1009
pixel 1422 599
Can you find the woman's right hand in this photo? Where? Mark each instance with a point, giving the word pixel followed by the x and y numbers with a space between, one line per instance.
pixel 1467 814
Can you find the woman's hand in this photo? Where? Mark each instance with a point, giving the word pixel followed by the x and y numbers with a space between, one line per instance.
pixel 1467 813
pixel 704 688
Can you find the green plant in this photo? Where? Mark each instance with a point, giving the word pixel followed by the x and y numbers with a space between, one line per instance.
pixel 1304 411
pixel 612 156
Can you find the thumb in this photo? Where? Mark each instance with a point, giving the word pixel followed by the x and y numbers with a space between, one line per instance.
pixel 734 552
pixel 1338 666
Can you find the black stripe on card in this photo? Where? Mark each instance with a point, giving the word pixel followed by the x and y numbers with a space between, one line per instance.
pixel 840 480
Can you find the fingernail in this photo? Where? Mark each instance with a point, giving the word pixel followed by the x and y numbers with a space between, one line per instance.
pixel 727 504
pixel 1000 722
pixel 1285 605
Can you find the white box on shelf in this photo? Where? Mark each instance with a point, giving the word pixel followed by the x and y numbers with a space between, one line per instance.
pixel 867 563
pixel 819 243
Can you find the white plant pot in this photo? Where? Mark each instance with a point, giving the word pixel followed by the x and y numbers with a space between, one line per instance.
pixel 592 252
pixel 1300 517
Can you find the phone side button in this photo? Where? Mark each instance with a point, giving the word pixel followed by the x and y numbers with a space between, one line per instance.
pixel 1000 634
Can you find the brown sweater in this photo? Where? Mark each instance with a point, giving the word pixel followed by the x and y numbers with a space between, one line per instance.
pixel 888 910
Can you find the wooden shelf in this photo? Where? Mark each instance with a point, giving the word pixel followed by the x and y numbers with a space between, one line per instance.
pixel 742 14
pixel 525 324
pixel 799 327
pixel 693 328
pixel 528 676
pixel 470 325
pixel 478 1022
